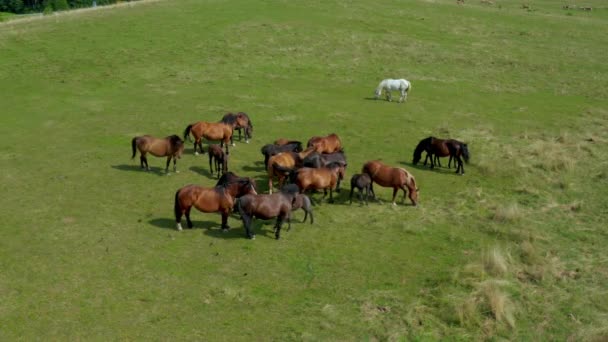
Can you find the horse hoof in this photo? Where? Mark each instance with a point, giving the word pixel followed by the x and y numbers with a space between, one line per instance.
pixel 246 141
pixel 196 153
pixel 394 204
pixel 179 226
pixel 176 171
pixel 233 144
pixel 252 237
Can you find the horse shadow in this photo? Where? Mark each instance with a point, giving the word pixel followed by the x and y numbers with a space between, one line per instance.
pixel 439 169
pixel 154 170
pixel 257 168
pixel 203 171
pixel 166 223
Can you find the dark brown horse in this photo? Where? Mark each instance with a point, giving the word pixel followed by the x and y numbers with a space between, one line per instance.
pixel 240 121
pixel 318 160
pixel 362 182
pixel 211 200
pixel 266 207
pixel 435 147
pixel 212 131
pixel 324 178
pixel 171 147
pixel 328 144
pixel 217 155
pixel 286 160
pixel 392 177
pixel 283 141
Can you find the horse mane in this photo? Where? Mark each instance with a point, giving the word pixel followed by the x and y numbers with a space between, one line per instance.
pixel 290 189
pixel 175 140
pixel 229 119
pixel 422 146
pixel 225 179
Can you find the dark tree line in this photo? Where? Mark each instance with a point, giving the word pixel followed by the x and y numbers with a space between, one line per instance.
pixel 32 6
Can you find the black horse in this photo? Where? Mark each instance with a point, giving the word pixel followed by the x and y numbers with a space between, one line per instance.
pixel 266 207
pixel 318 160
pixel 272 149
pixel 435 147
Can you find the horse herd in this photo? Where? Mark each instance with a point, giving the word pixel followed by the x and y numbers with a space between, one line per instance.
pixel 319 166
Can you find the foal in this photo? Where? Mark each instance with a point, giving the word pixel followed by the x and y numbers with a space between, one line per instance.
pixel 361 182
pixel 221 160
pixel 302 201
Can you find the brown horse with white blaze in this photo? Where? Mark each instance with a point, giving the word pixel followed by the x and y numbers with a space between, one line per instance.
pixel 212 131
pixel 220 198
pixel 327 144
pixel 392 177
pixel 171 147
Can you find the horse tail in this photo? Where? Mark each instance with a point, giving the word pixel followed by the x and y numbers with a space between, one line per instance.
pixel 283 169
pixel 187 133
pixel 307 205
pixel 177 208
pixel 133 146
pixel 409 86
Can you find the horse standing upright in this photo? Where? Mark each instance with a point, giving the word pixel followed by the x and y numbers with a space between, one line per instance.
pixel 392 177
pixel 435 147
pixel 270 150
pixel 324 178
pixel 285 160
pixel 240 121
pixel 212 131
pixel 209 200
pixel 362 182
pixel 171 147
pixel 218 158
pixel 327 144
pixel 402 85
pixel 265 207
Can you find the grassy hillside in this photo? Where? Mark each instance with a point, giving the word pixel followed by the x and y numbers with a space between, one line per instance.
pixel 514 249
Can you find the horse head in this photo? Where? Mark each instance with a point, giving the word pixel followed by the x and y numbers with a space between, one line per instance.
pixel 465 152
pixel 423 145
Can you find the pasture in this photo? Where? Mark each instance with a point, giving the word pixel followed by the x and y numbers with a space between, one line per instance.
pixel 514 249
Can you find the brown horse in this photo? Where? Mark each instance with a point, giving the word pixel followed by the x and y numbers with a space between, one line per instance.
pixel 265 207
pixel 286 160
pixel 328 144
pixel 283 141
pixel 392 177
pixel 327 177
pixel 212 131
pixel 240 121
pixel 435 147
pixel 210 200
pixel 221 160
pixel 171 147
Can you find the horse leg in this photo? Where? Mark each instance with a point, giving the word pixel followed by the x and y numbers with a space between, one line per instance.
pixel 389 96
pixel 142 160
pixel 278 225
pixel 404 193
pixel 437 161
pixel 167 166
pixel 402 98
pixel 225 226
pixel 395 195
pixel 175 165
pixel 331 195
pixel 432 161
pixel 270 185
pixel 460 165
pixel 190 225
pixel 146 162
pixel 247 221
pixel 366 195
pixel 350 198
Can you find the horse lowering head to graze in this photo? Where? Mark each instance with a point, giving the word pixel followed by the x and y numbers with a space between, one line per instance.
pixel 171 147
pixel 324 178
pixel 327 144
pixel 271 150
pixel 362 182
pixel 221 160
pixel 212 131
pixel 387 85
pixel 210 200
pixel 286 161
pixel 239 121
pixel 266 207
pixel 392 177
pixel 318 160
pixel 435 147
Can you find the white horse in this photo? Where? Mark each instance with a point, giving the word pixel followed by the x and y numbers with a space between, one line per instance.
pixel 389 84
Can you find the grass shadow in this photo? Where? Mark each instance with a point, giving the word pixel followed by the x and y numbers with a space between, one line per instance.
pixel 203 171
pixel 166 223
pixel 157 171
pixel 259 168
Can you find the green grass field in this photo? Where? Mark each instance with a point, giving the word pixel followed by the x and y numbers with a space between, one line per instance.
pixel 515 249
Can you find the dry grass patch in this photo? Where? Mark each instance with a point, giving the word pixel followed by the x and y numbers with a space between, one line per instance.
pixel 508 213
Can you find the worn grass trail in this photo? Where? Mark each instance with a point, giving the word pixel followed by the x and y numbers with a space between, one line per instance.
pixel 512 249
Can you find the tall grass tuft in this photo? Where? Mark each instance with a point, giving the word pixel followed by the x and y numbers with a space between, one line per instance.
pixel 509 213
pixel 495 262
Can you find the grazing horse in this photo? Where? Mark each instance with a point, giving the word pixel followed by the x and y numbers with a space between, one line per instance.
pixel 171 147
pixel 221 160
pixel 212 131
pixel 210 200
pixel 388 85
pixel 318 160
pixel 271 150
pixel 361 181
pixel 303 201
pixel 324 178
pixel 265 207
pixel 392 177
pixel 240 121
pixel 435 147
pixel 286 160
pixel 328 144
